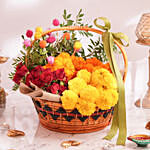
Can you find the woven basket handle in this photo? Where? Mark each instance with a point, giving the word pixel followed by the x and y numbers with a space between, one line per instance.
pixel 85 28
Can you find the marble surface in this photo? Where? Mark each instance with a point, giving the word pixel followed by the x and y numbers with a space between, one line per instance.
pixel 39 138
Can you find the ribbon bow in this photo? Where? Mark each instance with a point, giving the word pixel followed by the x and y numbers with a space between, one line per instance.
pixel 119 119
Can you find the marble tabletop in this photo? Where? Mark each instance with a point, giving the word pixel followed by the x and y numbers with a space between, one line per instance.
pixel 25 118
pixel 39 138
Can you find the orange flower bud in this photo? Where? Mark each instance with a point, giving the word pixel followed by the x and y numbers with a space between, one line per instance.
pixel 42 44
pixel 66 36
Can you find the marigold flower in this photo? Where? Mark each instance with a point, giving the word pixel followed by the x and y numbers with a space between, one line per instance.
pixel 63 60
pixel 48 66
pixel 39 29
pixel 77 84
pixel 108 98
pixel 42 44
pixel 89 67
pixel 78 62
pixel 66 36
pixel 85 108
pixel 94 61
pixel 102 77
pixel 37 35
pixel 89 93
pixel 85 75
pixel 69 99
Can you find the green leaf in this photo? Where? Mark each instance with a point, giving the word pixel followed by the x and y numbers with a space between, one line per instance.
pixel 81 15
pixel 90 26
pixel 92 42
pixel 68 16
pixel 22 37
pixel 64 16
pixel 69 22
pixel 65 12
pixel 89 50
pixel 80 11
pixel 79 19
pixel 90 46
pixel 15 87
pixel 90 34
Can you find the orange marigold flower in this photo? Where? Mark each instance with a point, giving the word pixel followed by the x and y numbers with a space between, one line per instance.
pixel 78 62
pixel 48 66
pixel 94 61
pixel 107 66
pixel 89 67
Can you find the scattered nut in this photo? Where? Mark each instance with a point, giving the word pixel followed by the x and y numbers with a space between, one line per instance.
pixel 3 59
pixel 69 143
pixel 13 133
pixel 148 125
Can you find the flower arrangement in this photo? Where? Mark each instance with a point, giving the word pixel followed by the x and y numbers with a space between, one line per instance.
pixel 58 64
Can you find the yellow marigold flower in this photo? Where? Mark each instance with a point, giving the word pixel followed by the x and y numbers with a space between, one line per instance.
pixel 77 45
pixel 63 60
pixel 64 55
pixel 107 99
pixel 39 29
pixel 69 99
pixel 85 75
pixel 85 108
pixel 76 85
pixel 37 35
pixel 102 77
pixel 89 93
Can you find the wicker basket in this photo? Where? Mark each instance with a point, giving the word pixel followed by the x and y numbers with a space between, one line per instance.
pixel 52 115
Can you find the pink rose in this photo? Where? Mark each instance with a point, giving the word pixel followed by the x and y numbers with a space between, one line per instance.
pixel 50 60
pixel 51 39
pixel 27 43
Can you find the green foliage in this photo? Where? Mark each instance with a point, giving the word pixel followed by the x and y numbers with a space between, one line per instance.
pixel 15 87
pixel 96 49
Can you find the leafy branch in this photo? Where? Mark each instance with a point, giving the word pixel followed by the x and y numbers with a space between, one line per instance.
pixel 97 50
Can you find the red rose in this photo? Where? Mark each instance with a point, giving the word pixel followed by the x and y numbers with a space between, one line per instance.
pixel 36 71
pixel 38 82
pixel 47 76
pixel 19 66
pixel 17 78
pixel 29 33
pixel 60 74
pixel 20 73
pixel 48 89
pixel 62 88
pixel 29 79
pixel 54 88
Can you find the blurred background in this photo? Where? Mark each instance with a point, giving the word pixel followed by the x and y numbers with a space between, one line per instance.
pixel 19 15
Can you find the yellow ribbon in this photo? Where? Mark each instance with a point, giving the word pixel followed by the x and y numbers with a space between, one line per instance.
pixel 119 118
